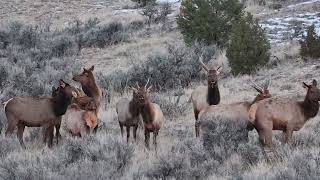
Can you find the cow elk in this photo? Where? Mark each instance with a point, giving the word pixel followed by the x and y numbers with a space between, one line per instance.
pixel 38 111
pixel 240 109
pixel 81 100
pixel 128 114
pixel 89 85
pixel 204 96
pixel 151 113
pixel 285 114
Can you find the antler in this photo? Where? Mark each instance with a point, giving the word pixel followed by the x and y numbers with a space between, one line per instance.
pixel 137 85
pixel 256 87
pixel 267 84
pixel 147 83
pixel 203 65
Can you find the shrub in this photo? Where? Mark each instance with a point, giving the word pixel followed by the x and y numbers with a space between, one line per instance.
pixel 102 36
pixel 311 44
pixel 170 104
pixel 176 68
pixel 222 131
pixel 208 21
pixel 248 47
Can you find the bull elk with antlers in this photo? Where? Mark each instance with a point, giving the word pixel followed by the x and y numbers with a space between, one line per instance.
pixel 128 113
pixel 285 114
pixel 204 96
pixel 151 113
pixel 241 109
pixel 38 111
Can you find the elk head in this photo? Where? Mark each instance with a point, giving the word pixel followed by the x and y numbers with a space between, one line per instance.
pixel 85 77
pixel 212 74
pixel 141 94
pixel 313 93
pixel 263 91
pixel 64 90
pixel 68 89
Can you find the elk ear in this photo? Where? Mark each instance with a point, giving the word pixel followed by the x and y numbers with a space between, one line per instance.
pixel 92 68
pixel 305 85
pixel 149 88
pixel 62 83
pixel 314 82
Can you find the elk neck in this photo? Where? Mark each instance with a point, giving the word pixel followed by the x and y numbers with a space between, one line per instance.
pixel 310 108
pixel 134 108
pixel 61 103
pixel 213 97
pixel 91 89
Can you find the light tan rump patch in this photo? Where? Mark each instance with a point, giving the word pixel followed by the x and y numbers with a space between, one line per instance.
pixel 90 119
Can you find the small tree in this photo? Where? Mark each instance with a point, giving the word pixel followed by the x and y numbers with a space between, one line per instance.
pixel 248 47
pixel 208 21
pixel 310 46
pixel 151 12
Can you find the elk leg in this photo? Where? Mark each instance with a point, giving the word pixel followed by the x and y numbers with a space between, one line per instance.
pixel 12 123
pixel 147 137
pixel 196 116
pixel 20 135
pixel 121 128
pixel 128 133
pixel 58 135
pixel 135 128
pixel 265 137
pixel 44 133
pixel 287 135
pixel 50 135
pixel 197 128
pixel 155 134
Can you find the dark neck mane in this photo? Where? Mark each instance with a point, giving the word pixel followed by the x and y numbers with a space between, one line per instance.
pixel 133 108
pixel 213 97
pixel 61 103
pixel 310 108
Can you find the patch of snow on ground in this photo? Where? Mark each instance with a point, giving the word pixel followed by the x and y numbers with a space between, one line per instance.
pixel 168 1
pixel 126 12
pixel 303 3
pixel 286 28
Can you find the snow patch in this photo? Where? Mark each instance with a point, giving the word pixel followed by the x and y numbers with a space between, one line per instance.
pixel 303 3
pixel 290 27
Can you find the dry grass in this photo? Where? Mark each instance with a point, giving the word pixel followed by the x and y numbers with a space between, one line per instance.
pixel 180 155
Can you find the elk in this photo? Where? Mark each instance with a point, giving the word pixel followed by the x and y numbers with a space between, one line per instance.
pixel 151 113
pixel 81 100
pixel 128 114
pixel 285 114
pixel 38 111
pixel 204 96
pixel 89 85
pixel 79 122
pixel 241 109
